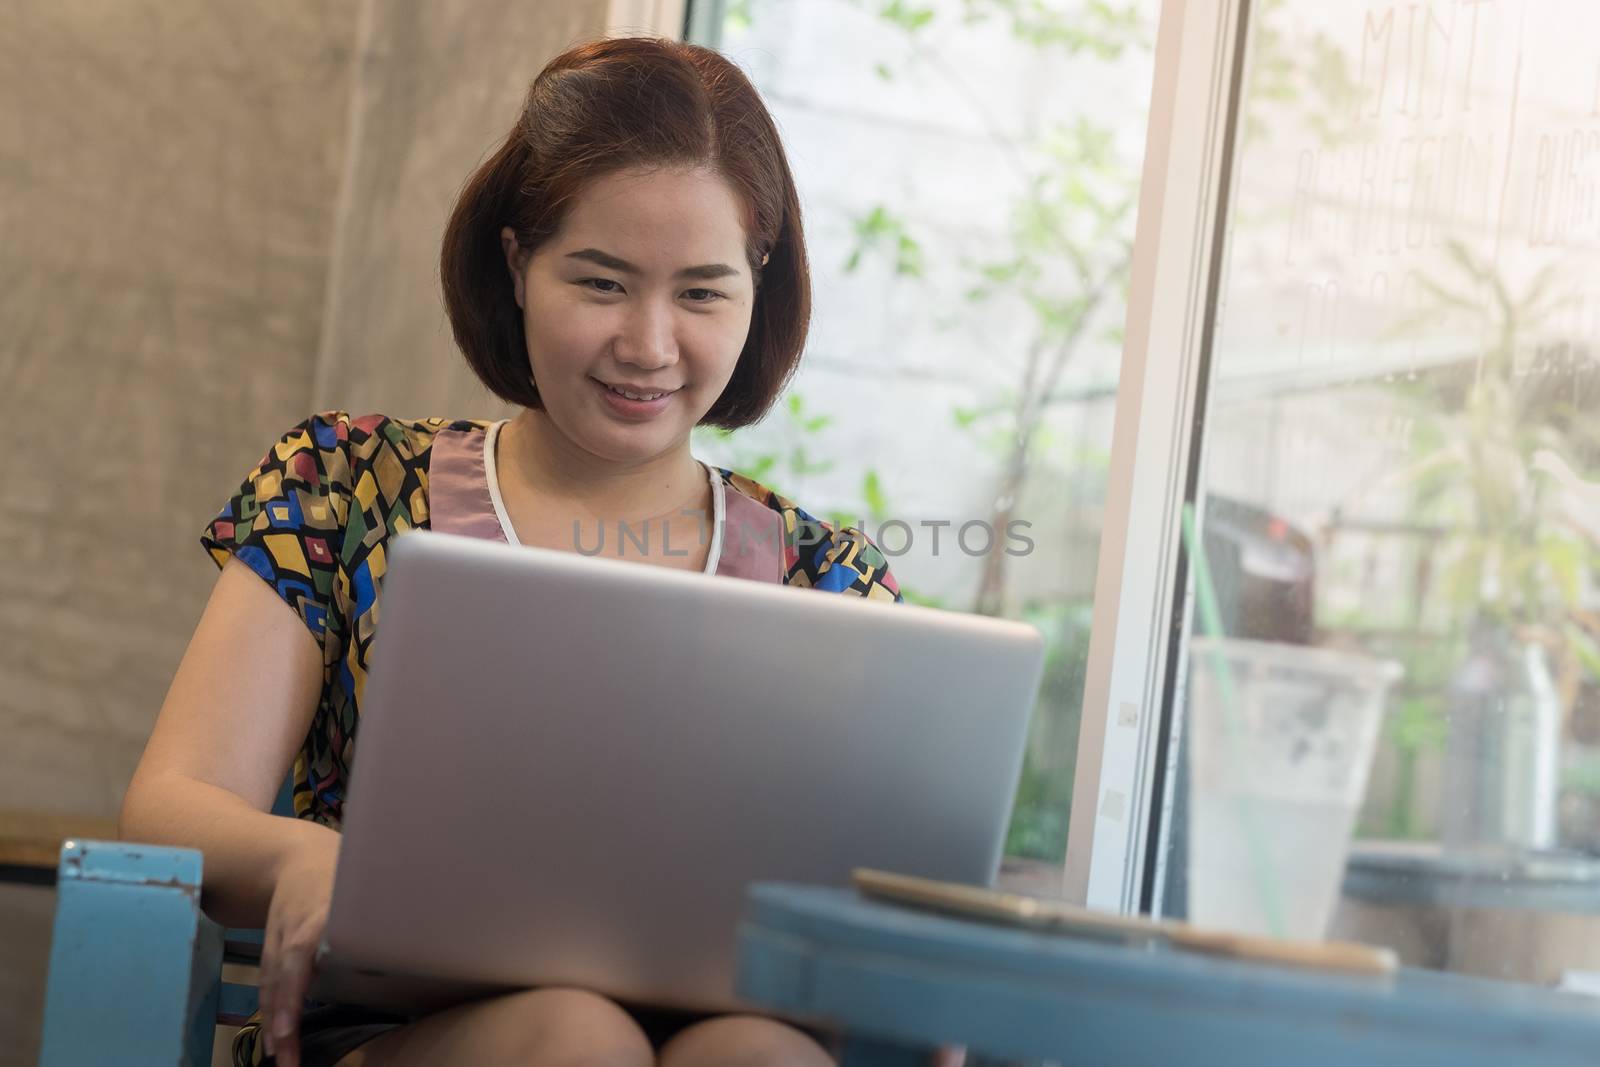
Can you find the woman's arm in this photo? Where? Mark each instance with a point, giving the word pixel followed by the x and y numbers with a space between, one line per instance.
pixel 238 709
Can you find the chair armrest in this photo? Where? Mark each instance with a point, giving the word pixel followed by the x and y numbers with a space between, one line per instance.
pixel 135 965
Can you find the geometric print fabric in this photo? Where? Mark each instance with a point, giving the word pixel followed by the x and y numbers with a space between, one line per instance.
pixel 314 520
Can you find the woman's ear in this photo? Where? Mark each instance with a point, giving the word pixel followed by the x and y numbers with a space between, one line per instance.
pixel 516 263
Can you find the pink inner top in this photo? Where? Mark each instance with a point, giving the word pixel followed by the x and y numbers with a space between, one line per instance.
pixel 459 502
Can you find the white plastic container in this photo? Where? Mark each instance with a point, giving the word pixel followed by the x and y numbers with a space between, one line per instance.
pixel 1279 770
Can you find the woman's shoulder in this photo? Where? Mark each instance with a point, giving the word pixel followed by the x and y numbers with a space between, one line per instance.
pixel 835 557
pixel 334 467
pixel 326 495
pixel 362 437
pixel 331 449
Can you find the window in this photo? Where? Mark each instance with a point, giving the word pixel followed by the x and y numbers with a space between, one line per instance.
pixel 968 172
pixel 1383 722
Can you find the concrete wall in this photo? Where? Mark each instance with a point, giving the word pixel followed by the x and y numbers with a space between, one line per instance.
pixel 167 178
pixel 440 85
pixel 214 219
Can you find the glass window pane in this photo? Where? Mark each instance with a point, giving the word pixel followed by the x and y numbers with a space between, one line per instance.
pixel 1391 719
pixel 968 173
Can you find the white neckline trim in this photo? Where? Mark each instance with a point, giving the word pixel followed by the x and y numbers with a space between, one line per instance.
pixel 719 500
pixel 492 476
pixel 719 512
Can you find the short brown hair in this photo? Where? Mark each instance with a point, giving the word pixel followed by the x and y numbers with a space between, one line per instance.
pixel 611 105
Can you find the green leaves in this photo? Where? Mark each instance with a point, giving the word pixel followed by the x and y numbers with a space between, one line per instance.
pixel 881 232
pixel 1418 724
pixel 781 460
pixel 1300 79
pixel 760 469
pixel 1049 276
pixel 909 17
pixel 1098 28
pixel 1564 560
pixel 1015 273
pixel 1584 649
pixel 1059 317
pixel 737 18
pixel 803 465
pixel 872 492
pixel 806 423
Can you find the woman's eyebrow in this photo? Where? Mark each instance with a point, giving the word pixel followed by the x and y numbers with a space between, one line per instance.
pixel 704 273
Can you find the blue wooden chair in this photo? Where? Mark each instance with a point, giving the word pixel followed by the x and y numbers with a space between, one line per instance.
pixel 135 978
pixel 135 965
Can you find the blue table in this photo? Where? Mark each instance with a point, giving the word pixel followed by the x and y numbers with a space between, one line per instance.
pixel 899 981
pixel 1426 875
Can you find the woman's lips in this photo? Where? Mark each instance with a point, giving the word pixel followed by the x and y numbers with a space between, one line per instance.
pixel 633 409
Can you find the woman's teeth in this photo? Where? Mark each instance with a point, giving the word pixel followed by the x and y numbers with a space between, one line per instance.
pixel 634 396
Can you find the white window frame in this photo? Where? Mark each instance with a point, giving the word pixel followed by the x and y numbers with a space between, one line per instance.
pixel 1140 601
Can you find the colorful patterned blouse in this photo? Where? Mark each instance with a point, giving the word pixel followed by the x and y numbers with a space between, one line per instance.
pixel 317 514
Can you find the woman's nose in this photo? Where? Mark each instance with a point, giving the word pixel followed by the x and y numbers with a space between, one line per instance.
pixel 646 339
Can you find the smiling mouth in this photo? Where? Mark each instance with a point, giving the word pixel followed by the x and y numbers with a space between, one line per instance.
pixel 632 394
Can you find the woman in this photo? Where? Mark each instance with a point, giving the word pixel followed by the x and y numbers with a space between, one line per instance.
pixel 628 265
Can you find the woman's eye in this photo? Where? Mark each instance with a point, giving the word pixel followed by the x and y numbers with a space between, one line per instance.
pixel 609 287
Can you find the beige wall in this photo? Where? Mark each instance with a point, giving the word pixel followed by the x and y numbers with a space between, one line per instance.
pixel 441 85
pixel 167 178
pixel 647 16
pixel 214 219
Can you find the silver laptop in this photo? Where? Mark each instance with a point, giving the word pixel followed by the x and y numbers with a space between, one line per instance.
pixel 570 768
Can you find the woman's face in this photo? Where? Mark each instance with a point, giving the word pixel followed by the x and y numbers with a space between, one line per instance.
pixel 637 309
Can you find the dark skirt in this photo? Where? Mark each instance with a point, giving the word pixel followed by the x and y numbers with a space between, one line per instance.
pixel 329 1032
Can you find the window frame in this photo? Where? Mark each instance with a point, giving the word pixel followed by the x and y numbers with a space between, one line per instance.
pixel 702 22
pixel 1112 862
pixel 1127 740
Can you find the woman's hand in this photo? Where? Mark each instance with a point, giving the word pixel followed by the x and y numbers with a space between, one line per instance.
pixel 296 917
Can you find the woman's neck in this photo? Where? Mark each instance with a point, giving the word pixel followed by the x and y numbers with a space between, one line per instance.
pixel 534 457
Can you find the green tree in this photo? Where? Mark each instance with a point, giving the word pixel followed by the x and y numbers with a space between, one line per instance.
pixel 1065 263
pixel 1067 258
pixel 1071 233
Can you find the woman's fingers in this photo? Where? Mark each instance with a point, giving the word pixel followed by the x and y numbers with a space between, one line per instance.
pixel 295 920
pixel 289 993
pixel 286 967
pixel 267 983
pixel 283 1038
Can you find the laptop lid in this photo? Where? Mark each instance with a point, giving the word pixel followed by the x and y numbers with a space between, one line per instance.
pixel 570 768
